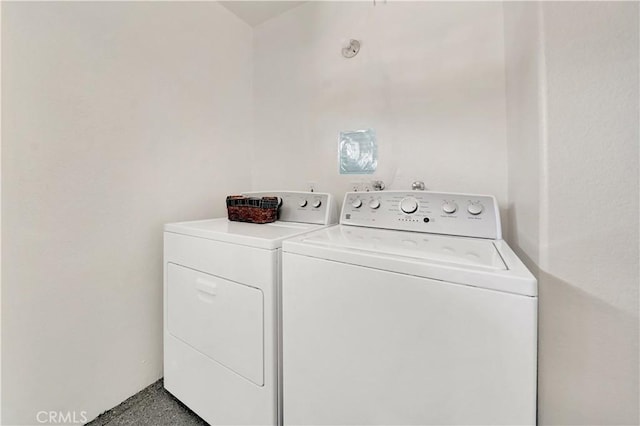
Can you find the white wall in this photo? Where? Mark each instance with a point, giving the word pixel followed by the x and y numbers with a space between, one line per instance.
pixel 0 221
pixel 525 103
pixel 117 118
pixel 586 59
pixel 429 79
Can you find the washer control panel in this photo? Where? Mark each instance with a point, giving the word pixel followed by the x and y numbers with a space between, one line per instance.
pixel 304 207
pixel 424 211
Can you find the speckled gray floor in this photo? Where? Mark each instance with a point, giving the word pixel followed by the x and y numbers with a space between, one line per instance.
pixel 151 406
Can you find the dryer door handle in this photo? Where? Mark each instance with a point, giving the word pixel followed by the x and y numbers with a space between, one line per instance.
pixel 206 286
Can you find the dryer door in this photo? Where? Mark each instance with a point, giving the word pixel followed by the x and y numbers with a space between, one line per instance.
pixel 220 318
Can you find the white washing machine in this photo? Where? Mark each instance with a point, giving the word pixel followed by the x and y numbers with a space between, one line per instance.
pixel 221 310
pixel 412 311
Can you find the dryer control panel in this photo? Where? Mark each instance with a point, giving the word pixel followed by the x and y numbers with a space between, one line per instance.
pixel 424 211
pixel 303 207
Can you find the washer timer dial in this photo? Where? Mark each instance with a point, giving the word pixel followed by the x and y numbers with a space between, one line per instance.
pixel 409 205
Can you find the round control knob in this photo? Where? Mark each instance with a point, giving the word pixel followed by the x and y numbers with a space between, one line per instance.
pixel 302 203
pixel 409 205
pixel 374 204
pixel 317 203
pixel 449 208
pixel 357 203
pixel 475 209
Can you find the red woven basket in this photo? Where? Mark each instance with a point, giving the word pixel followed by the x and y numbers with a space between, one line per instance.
pixel 252 209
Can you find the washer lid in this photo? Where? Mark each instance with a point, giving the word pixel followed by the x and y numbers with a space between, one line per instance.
pixel 467 252
pixel 266 236
pixel 471 261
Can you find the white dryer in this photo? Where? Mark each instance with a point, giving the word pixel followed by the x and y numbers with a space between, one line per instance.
pixel 412 311
pixel 221 310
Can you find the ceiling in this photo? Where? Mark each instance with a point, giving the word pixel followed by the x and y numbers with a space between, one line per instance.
pixel 256 12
